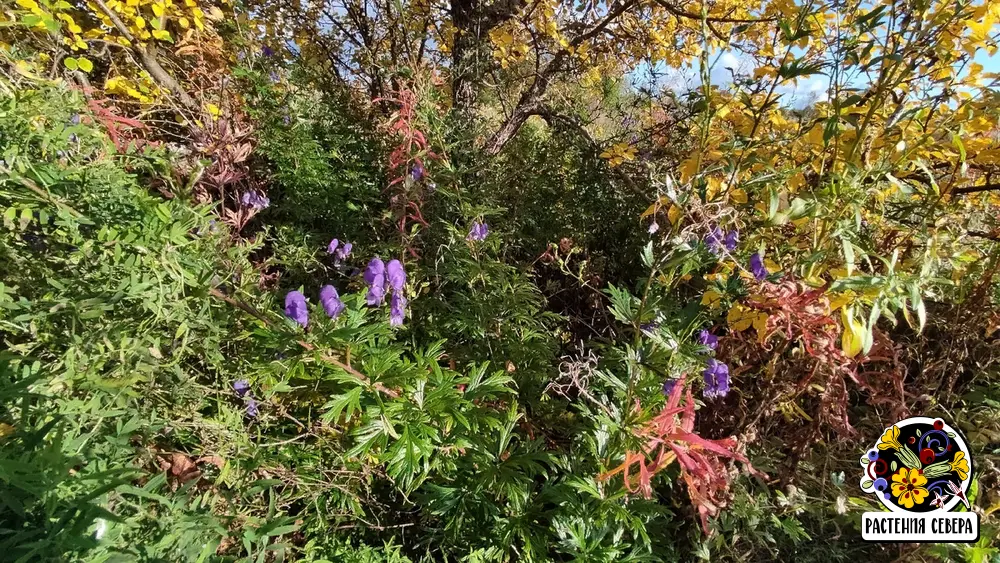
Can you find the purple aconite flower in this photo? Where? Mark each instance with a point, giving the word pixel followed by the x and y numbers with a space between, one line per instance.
pixel 713 240
pixel 757 267
pixel 716 240
pixel 649 327
pixel 295 307
pixel 255 200
pixel 417 172
pixel 252 411
pixel 716 376
pixel 75 119
pixel 267 51
pixel 478 232
pixel 732 240
pixel 344 251
pixel 340 253
pixel 241 387
pixel 708 339
pixel 375 276
pixel 375 270
pixel 397 309
pixel 668 386
pixel 396 275
pixel 330 300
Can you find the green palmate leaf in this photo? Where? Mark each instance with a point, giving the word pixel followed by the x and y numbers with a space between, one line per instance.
pixel 346 404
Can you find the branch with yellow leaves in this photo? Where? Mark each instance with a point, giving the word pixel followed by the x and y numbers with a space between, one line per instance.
pixel 149 61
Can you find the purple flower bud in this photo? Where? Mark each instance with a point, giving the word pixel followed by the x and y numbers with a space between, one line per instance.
pixel 241 387
pixel 396 275
pixel 714 240
pixel 375 276
pixel 252 411
pixel 332 247
pixel 708 339
pixel 478 232
pixel 267 51
pixel 649 327
pixel 273 76
pixel 75 119
pixel 397 309
pixel 376 293
pixel 757 267
pixel 654 227
pixel 417 172
pixel 296 309
pixel 330 300
pixel 255 200
pixel 344 251
pixel 375 270
pixel 668 386
pixel 732 240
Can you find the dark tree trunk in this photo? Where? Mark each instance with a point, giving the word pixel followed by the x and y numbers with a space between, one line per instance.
pixel 473 20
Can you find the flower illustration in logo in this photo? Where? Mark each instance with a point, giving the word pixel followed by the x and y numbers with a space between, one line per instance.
pixel 919 464
pixel 908 486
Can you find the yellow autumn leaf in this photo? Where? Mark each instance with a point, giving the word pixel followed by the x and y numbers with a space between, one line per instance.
pixel 674 214
pixel 852 338
pixel 655 206
pixel 838 300
pixel 157 10
pixel 689 168
pixel 741 317
pixel 712 299
pixel 140 22
pixel 162 34
pixel 84 64
pixel 28 4
pixel 184 23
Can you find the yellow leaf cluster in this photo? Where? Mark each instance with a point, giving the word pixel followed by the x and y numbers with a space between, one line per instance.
pixel 741 317
pixel 619 153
